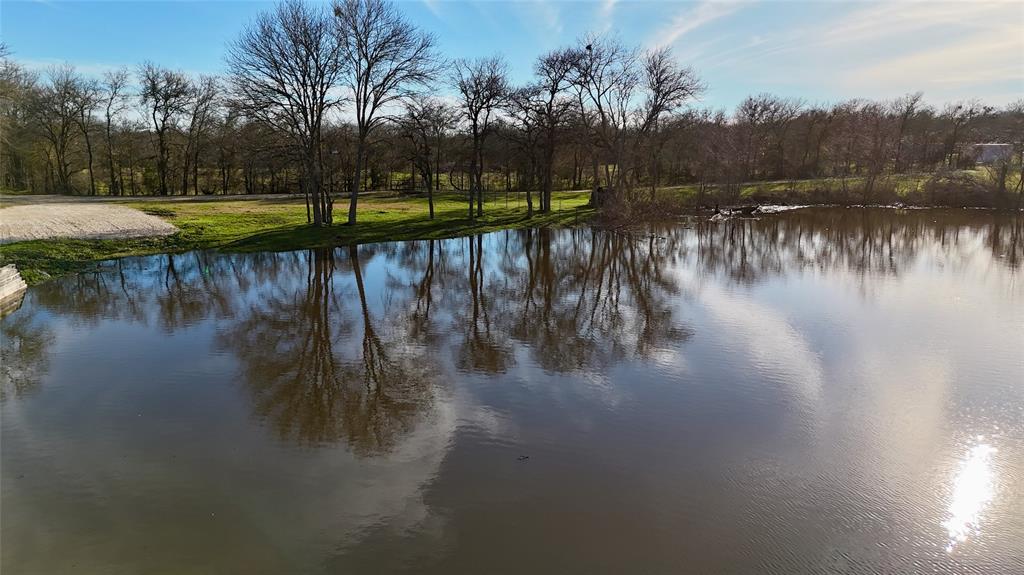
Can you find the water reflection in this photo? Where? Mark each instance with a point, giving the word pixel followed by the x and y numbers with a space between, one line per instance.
pixel 307 379
pixel 576 299
pixel 24 354
pixel 876 241
pixel 791 385
pixel 972 490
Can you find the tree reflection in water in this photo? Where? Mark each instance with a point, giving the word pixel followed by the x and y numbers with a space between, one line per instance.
pixel 325 361
pixel 308 382
pixel 24 354
pixel 862 241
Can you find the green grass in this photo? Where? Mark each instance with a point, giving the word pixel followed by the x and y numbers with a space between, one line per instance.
pixel 240 225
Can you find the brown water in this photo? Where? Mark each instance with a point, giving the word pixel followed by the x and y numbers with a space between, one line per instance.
pixel 821 391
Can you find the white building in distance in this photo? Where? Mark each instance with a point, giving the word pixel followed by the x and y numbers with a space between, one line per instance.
pixel 992 153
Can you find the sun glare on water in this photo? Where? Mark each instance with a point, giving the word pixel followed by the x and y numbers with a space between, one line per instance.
pixel 972 491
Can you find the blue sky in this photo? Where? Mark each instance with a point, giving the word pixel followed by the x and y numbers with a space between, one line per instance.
pixel 818 51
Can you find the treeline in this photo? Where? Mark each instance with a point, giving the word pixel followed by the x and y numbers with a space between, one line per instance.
pixel 333 102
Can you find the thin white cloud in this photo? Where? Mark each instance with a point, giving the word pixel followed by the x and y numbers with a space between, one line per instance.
pixel 690 19
pixel 978 59
pixel 433 7
pixel 550 15
pixel 44 65
pixel 96 69
pixel 903 18
pixel 605 14
pixel 894 24
pixel 951 50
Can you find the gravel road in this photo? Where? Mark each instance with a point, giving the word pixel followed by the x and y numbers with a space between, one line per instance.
pixel 77 220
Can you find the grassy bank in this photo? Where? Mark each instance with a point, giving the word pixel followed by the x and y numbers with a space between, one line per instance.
pixel 277 224
pixel 241 225
pixel 960 188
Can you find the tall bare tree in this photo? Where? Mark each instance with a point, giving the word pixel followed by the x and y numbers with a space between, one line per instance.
pixel 283 70
pixel 114 85
pixel 425 124
pixel 54 110
pixel 525 110
pixel 165 95
pixel 87 99
pixel 606 78
pixel 667 87
pixel 554 76
pixel 18 89
pixel 200 111
pixel 904 108
pixel 483 88
pixel 610 80
pixel 387 59
pixel 959 116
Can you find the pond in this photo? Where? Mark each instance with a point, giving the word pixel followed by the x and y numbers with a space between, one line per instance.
pixel 821 390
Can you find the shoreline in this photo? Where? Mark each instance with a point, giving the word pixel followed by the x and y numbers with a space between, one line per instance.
pixel 278 224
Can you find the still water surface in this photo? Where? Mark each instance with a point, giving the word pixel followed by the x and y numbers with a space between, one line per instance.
pixel 821 391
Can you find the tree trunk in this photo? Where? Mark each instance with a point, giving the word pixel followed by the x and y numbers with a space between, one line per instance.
pixel 131 170
pixel 161 164
pixel 480 183
pixel 548 183
pixel 313 183
pixel 114 189
pixel 186 159
pixel 305 190
pixel 430 197
pixel 195 170
pixel 353 196
pixel 472 179
pixel 88 151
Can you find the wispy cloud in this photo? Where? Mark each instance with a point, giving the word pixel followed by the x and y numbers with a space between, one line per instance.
pixel 950 50
pixel 990 56
pixel 44 65
pixel 605 14
pixel 690 19
pixel 433 7
pixel 550 15
pixel 905 18
pixel 892 25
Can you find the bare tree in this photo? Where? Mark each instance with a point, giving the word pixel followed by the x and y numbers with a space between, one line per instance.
pixel 483 88
pixel 606 78
pixel 959 116
pixel 165 95
pixel 283 69
pixel 425 124
pixel 386 60
pixel 609 79
pixel 904 108
pixel 114 85
pixel 200 110
pixel 55 111
pixel 667 86
pixel 87 99
pixel 877 128
pixel 554 74
pixel 525 110
pixel 18 90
